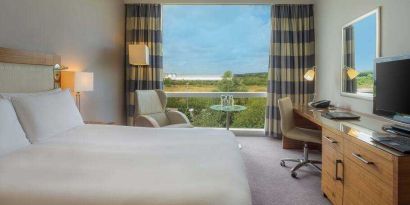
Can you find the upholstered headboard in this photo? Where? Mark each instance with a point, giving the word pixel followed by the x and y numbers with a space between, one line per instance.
pixel 26 71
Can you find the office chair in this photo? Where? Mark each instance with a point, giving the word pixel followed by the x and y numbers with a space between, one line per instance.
pixel 289 130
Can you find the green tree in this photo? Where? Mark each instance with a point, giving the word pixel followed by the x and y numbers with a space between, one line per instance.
pixel 231 84
pixel 209 118
pixel 253 116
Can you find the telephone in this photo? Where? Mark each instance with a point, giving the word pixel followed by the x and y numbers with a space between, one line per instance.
pixel 320 104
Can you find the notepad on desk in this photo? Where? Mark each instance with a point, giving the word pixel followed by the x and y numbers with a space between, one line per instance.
pixel 340 116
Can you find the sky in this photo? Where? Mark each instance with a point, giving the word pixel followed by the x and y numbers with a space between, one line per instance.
pixel 365 47
pixel 210 39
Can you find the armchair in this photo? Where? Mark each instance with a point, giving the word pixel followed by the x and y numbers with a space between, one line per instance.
pixel 150 111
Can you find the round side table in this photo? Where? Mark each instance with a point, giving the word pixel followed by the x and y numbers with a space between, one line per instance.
pixel 228 109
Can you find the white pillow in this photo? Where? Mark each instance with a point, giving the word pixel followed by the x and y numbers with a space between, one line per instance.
pixel 46 115
pixel 10 95
pixel 12 136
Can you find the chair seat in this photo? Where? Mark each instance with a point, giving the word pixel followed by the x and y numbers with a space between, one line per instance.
pixel 305 135
pixel 182 125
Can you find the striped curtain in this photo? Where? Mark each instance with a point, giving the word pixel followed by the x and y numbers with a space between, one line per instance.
pixel 349 59
pixel 143 25
pixel 292 54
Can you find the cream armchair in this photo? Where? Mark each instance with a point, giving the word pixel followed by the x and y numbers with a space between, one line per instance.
pixel 150 111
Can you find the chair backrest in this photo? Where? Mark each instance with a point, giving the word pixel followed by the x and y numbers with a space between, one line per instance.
pixel 286 114
pixel 152 103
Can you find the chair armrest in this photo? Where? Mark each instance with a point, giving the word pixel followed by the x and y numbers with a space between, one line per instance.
pixel 145 121
pixel 176 117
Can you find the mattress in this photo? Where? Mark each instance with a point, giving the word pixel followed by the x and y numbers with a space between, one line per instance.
pixel 112 165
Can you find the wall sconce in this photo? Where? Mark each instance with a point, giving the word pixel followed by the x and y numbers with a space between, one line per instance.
pixel 351 73
pixel 310 74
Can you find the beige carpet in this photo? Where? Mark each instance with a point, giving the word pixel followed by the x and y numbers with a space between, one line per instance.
pixel 272 184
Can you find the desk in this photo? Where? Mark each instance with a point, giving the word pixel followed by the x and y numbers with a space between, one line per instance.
pixel 356 170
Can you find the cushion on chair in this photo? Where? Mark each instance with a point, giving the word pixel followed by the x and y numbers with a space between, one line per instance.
pixel 161 118
pixel 305 135
pixel 152 104
pixel 286 114
pixel 148 102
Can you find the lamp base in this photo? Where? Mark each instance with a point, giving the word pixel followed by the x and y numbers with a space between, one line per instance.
pixel 78 100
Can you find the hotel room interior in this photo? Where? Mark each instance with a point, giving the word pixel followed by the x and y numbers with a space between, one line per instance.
pixel 204 102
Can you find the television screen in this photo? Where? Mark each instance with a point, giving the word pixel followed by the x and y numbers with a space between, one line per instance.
pixel 392 88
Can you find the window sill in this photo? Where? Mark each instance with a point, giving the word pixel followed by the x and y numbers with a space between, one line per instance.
pixel 363 96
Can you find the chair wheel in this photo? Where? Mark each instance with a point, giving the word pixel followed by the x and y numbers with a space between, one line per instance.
pixel 293 174
pixel 282 163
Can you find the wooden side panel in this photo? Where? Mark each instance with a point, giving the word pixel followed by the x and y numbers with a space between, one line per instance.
pixel 8 55
pixel 332 187
pixel 401 180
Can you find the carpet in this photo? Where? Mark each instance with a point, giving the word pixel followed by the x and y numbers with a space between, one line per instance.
pixel 272 184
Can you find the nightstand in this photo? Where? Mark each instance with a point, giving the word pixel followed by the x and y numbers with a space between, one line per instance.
pixel 99 123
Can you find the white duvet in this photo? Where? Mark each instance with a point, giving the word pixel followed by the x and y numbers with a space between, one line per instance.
pixel 115 165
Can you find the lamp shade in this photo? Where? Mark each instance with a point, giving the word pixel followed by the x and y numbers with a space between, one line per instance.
pixel 310 74
pixel 138 54
pixel 77 81
pixel 351 73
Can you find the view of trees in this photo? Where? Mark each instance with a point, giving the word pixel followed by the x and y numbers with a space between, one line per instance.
pixel 365 81
pixel 250 82
pixel 198 111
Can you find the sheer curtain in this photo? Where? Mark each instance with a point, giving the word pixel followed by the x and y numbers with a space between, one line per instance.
pixel 292 54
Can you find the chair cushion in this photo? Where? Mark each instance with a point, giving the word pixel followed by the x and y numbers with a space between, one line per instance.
pixel 148 102
pixel 161 118
pixel 178 126
pixel 305 135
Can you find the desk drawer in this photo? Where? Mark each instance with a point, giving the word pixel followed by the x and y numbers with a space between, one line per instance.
pixel 333 140
pixel 370 160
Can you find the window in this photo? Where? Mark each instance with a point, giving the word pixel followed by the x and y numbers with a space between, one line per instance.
pixel 216 47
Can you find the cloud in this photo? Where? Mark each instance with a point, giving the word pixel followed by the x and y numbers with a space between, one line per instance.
pixel 209 39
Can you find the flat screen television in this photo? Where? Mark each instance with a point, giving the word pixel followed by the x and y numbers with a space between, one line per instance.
pixel 392 88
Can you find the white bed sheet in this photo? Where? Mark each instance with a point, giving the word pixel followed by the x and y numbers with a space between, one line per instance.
pixel 112 165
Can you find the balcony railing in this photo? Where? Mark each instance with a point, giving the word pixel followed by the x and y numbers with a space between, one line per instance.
pixel 196 105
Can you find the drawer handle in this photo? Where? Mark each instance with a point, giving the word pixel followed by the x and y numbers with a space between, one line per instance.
pixel 330 140
pixel 338 161
pixel 358 156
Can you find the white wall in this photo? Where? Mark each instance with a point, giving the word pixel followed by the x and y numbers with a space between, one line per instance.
pixel 330 16
pixel 88 34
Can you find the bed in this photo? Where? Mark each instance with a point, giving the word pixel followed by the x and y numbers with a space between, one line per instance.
pixel 108 164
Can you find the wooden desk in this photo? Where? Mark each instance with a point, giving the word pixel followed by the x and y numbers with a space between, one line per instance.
pixel 356 170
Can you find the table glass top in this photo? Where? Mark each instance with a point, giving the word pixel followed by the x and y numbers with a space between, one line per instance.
pixel 228 108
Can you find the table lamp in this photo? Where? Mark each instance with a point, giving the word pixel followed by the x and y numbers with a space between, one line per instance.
pixel 138 54
pixel 77 82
